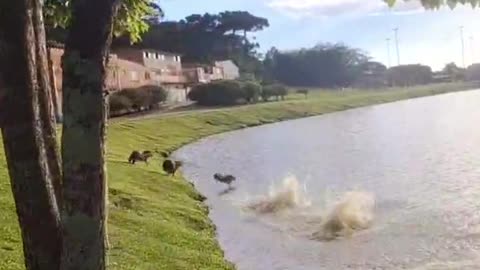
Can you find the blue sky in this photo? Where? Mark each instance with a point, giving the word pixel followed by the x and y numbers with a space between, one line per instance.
pixel 427 37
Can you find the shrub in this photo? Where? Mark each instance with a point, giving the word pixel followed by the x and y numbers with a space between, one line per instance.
pixel 119 103
pixel 267 92
pixel 252 91
pixel 218 93
pixel 137 99
pixel 281 91
pixel 274 90
pixel 303 91
pixel 157 95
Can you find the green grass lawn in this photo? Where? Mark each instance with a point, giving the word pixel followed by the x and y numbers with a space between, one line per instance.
pixel 159 222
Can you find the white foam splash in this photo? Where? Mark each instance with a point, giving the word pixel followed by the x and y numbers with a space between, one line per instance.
pixel 288 196
pixel 353 212
pixel 289 208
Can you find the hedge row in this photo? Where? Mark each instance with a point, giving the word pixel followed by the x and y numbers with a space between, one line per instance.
pixel 136 100
pixel 226 93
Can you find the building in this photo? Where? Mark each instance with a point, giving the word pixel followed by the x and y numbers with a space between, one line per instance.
pixel 230 69
pixel 55 52
pixel 134 68
pixel 201 73
pixel 131 68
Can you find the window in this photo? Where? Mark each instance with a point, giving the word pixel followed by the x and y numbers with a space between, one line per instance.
pixel 133 76
pixel 156 56
pixel 145 54
pixel 147 75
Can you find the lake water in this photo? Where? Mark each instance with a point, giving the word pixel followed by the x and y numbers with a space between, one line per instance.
pixel 408 172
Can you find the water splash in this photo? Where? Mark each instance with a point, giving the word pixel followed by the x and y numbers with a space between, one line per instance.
pixel 290 209
pixel 289 195
pixel 353 212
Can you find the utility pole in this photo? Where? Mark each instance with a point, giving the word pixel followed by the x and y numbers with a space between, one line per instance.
pixel 396 45
pixel 463 46
pixel 472 49
pixel 388 53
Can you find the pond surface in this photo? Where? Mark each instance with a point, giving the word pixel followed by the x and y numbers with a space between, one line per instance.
pixel 418 160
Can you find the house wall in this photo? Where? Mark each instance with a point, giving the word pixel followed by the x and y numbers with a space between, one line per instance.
pixel 56 58
pixel 132 68
pixel 162 61
pixel 195 75
pixel 215 74
pixel 127 74
pixel 230 70
pixel 127 70
pixel 158 67
pixel 131 55
pixel 202 74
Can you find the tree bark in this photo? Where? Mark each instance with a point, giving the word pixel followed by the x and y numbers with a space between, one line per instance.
pixel 83 140
pixel 46 103
pixel 24 135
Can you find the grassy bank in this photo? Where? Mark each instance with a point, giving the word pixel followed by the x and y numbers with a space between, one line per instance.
pixel 158 222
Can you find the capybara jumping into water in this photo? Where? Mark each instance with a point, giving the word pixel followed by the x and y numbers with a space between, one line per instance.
pixel 226 179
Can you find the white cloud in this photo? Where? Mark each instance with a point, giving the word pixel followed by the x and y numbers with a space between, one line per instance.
pixel 329 8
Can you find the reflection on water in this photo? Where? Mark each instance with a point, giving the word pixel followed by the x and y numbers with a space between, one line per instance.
pixel 397 186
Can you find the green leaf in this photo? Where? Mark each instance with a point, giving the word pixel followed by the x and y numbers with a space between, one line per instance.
pixel 434 4
pixel 452 3
pixel 132 17
pixel 390 3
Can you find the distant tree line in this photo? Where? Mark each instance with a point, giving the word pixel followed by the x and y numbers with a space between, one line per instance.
pixel 205 38
pixel 325 65
pixel 409 75
pixel 338 65
pixel 473 73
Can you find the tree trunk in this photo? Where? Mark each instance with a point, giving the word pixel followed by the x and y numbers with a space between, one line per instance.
pixel 83 140
pixel 24 134
pixel 46 102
